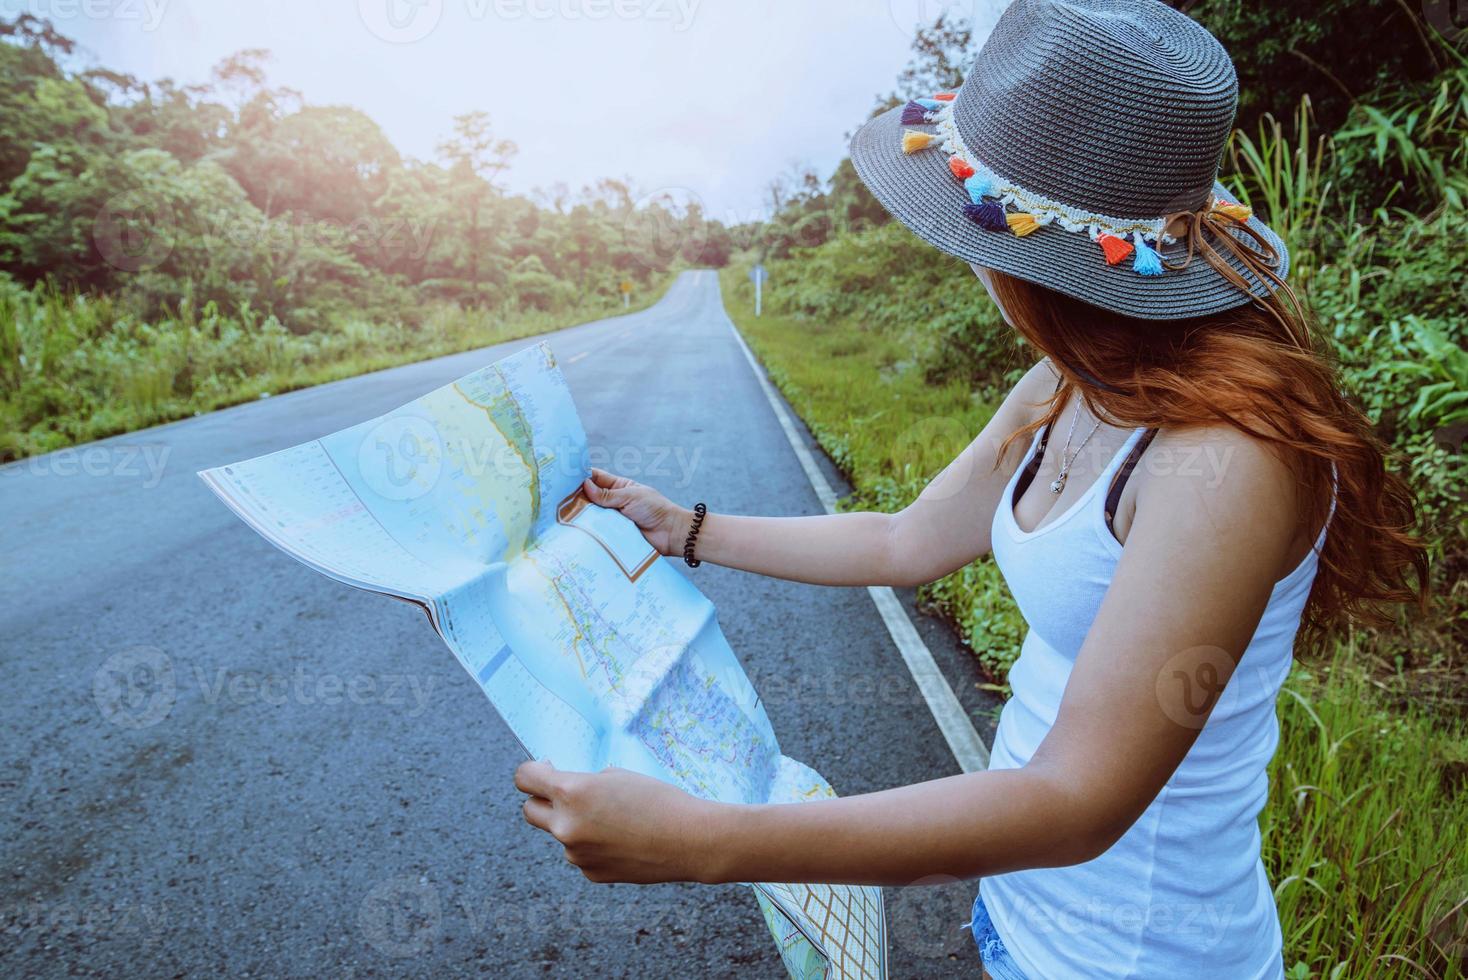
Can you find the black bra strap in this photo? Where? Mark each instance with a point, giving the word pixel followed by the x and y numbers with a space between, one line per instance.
pixel 1113 498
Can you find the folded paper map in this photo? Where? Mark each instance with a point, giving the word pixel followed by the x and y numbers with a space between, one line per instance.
pixel 594 650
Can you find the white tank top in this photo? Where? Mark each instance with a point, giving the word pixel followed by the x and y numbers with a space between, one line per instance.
pixel 1184 892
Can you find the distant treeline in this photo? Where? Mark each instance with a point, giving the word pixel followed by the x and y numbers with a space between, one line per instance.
pixel 241 194
pixel 168 249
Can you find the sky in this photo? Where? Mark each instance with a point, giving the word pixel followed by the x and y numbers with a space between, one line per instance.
pixel 706 99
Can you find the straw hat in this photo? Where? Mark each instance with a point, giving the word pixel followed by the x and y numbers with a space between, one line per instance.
pixel 1082 153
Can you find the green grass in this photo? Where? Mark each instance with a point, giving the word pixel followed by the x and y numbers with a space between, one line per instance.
pixel 1366 830
pixel 77 368
pixel 890 429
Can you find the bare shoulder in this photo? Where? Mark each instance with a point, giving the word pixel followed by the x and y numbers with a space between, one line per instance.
pixel 1219 482
pixel 1026 401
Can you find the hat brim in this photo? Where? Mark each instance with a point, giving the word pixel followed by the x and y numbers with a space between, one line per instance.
pixel 919 190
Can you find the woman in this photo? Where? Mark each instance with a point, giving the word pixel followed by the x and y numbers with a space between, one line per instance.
pixel 1171 493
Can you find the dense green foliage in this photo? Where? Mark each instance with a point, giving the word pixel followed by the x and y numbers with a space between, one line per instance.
pixel 165 249
pixel 1338 52
pixel 894 356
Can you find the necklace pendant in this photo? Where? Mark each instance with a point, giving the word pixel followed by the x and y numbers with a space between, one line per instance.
pixel 1058 484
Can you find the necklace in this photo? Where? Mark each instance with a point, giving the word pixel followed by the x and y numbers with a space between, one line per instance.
pixel 1066 456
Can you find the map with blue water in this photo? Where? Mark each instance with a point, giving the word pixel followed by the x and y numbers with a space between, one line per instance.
pixel 594 650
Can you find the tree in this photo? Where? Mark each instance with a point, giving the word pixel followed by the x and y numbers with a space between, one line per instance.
pixel 941 57
pixel 475 157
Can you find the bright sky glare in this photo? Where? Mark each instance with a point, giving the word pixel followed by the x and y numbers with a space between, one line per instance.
pixel 709 96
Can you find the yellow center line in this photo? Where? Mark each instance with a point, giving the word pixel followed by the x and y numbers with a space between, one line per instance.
pixel 576 357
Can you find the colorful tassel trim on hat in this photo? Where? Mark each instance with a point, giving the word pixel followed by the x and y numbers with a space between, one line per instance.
pixel 990 195
pixel 914 115
pixel 989 215
pixel 1239 212
pixel 978 188
pixel 1115 249
pixel 1022 224
pixel 1147 262
pixel 913 141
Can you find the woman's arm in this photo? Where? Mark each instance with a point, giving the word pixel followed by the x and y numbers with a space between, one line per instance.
pixel 1197 571
pixel 944 529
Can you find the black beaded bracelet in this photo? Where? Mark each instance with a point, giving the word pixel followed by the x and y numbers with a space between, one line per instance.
pixel 699 513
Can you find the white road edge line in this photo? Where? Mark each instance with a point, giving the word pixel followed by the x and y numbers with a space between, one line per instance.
pixel 958 731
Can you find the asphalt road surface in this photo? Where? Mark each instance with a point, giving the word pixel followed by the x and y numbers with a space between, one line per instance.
pixel 217 761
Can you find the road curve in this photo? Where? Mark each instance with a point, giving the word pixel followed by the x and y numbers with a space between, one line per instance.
pixel 217 761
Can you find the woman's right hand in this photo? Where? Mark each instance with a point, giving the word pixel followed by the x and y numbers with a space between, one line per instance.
pixel 663 523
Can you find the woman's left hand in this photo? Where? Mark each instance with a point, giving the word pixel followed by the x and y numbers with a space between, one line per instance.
pixel 618 825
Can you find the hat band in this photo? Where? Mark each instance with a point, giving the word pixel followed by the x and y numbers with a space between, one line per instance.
pixel 991 193
pixel 1046 209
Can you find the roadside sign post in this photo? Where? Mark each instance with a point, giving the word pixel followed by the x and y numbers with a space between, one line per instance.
pixel 758 275
pixel 626 294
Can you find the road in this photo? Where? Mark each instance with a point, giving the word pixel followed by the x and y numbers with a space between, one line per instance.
pixel 308 784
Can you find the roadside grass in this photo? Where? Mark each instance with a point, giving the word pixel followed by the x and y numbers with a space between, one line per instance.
pixel 77 368
pixel 1365 835
pixel 889 428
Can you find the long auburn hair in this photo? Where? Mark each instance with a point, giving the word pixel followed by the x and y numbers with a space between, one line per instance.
pixel 1260 368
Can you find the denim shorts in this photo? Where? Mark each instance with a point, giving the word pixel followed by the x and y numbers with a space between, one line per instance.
pixel 997 961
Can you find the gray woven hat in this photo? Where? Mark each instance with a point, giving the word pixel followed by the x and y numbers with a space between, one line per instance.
pixel 1082 128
